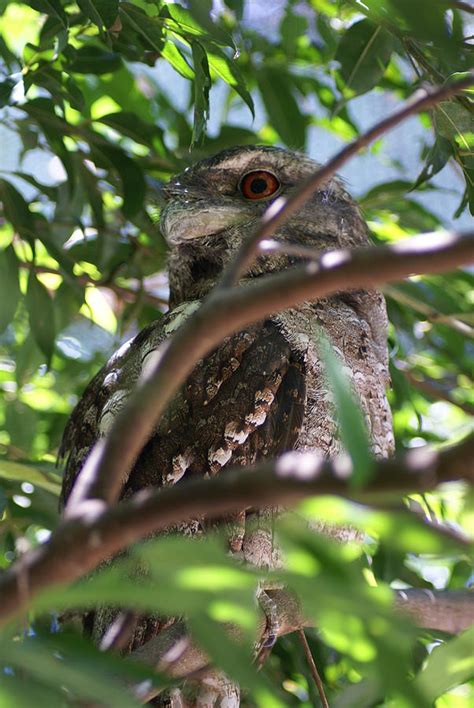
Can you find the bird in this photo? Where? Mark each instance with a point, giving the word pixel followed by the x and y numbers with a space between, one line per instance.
pixel 262 391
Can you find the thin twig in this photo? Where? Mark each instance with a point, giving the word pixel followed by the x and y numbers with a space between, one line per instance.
pixel 278 212
pixel 313 668
pixel 433 390
pixel 432 315
pixel 450 611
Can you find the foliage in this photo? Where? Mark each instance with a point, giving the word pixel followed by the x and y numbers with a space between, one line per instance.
pixel 90 129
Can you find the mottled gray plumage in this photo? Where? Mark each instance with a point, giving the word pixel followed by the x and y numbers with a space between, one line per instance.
pixel 262 391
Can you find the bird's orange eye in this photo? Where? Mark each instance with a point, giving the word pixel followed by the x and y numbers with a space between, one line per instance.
pixel 259 184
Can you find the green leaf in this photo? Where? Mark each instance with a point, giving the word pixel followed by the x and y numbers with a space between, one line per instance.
pixel 352 427
pixel 292 27
pixel 174 56
pixel 51 7
pixel 132 126
pixel 90 59
pixel 436 159
pixel 283 112
pixel 9 286
pixel 6 89
pixel 17 211
pixel 131 176
pixel 448 665
pixel 456 122
pixel 102 13
pixel 21 472
pixel 202 85
pixel 228 70
pixel 237 6
pixel 363 53
pixel 424 18
pixel 197 20
pixel 41 315
pixel 21 424
pixel 151 29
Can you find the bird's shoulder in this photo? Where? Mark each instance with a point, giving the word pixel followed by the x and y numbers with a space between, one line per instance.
pixel 243 401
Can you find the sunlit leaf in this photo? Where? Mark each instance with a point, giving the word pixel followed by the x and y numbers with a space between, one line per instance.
pixel 448 665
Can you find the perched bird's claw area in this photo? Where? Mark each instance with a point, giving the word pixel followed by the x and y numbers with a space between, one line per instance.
pixel 270 635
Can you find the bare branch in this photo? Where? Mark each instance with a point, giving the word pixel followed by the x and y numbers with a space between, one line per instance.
pixel 454 321
pixel 434 390
pixel 173 651
pixel 229 311
pixel 279 211
pixel 82 542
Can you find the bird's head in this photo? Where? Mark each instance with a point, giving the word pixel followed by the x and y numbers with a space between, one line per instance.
pixel 213 206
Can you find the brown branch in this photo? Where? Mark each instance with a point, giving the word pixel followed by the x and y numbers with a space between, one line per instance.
pixel 459 5
pixel 433 390
pixel 280 210
pixel 434 316
pixel 173 652
pixel 82 542
pixel 230 310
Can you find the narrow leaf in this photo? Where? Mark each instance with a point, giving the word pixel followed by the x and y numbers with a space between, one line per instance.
pixel 202 85
pixel 41 315
pixel 352 428
pixel 363 53
pixel 281 106
pixel 9 287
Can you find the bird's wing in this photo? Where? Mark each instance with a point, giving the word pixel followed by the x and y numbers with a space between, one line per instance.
pixel 244 401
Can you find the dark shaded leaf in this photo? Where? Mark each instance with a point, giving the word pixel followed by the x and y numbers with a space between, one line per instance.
pixel 17 211
pixel 131 176
pixel 132 126
pixel 364 52
pixel 101 12
pixel 41 315
pixel 51 7
pixel 6 88
pixel 9 286
pixel 282 108
pixel 436 159
pixel 90 59
pixel 148 28
pixel 21 422
pixel 202 85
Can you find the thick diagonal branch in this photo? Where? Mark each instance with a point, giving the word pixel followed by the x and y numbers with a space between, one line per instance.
pixel 81 543
pixel 112 458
